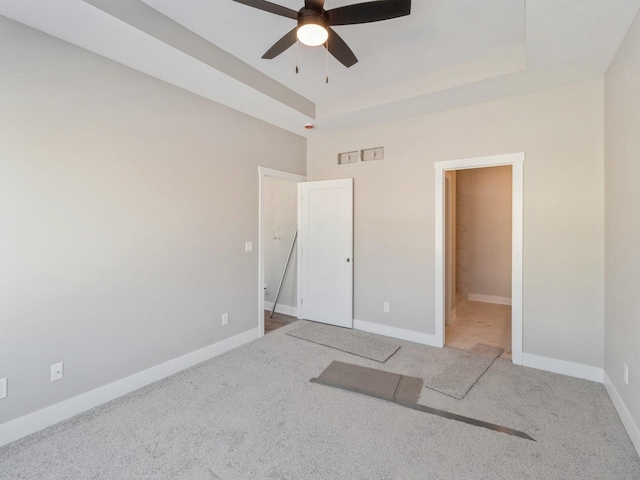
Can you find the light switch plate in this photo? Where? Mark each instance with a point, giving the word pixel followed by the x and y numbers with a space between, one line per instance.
pixel 625 374
pixel 3 388
pixel 248 246
pixel 57 371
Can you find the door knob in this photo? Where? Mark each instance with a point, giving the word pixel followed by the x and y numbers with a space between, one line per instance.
pixel 348 260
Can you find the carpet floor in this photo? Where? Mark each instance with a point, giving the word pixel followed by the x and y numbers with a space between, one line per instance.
pixel 363 344
pixel 463 373
pixel 253 414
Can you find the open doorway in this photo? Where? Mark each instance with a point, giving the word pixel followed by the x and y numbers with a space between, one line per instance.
pixel 478 232
pixel 278 225
pixel 444 303
pixel 323 254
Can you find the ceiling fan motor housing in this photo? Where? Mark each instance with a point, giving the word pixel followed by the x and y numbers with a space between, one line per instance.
pixel 314 23
pixel 308 16
pixel 312 19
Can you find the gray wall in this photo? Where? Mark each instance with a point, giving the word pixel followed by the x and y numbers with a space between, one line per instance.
pixel 561 131
pixel 622 233
pixel 124 207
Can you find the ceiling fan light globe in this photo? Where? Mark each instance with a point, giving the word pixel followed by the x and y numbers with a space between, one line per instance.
pixel 312 34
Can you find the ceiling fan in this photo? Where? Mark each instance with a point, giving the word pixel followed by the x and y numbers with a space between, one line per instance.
pixel 314 23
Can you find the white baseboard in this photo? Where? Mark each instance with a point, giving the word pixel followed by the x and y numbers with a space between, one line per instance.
pixel 563 367
pixel 284 309
pixel 627 420
pixel 402 334
pixel 478 297
pixel 33 422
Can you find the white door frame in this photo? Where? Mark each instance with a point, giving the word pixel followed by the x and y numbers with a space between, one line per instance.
pixel 516 160
pixel 263 173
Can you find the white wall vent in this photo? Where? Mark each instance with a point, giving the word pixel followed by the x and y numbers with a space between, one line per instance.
pixel 373 154
pixel 348 157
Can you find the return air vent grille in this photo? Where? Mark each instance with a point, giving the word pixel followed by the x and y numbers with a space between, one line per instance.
pixel 373 154
pixel 348 157
pixel 365 155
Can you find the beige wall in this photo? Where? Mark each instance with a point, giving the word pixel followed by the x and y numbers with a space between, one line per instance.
pixel 489 206
pixel 622 232
pixel 281 217
pixel 124 207
pixel 561 131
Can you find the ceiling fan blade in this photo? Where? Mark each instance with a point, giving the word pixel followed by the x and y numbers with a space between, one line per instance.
pixel 281 45
pixel 369 12
pixel 339 49
pixel 316 5
pixel 270 7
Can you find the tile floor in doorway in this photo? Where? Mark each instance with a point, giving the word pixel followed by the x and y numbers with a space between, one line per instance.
pixel 479 322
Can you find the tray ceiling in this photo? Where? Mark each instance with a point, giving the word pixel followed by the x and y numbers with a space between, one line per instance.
pixel 444 55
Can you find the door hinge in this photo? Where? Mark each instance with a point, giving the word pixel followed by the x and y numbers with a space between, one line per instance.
pixel 302 301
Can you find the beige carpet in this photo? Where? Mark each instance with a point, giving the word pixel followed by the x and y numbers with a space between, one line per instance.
pixel 464 370
pixel 363 344
pixel 253 414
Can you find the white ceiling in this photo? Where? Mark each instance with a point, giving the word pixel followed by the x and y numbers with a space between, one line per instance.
pixel 447 53
pixel 388 51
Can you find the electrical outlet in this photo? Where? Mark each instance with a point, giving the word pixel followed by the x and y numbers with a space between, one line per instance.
pixel 225 319
pixel 57 371
pixel 386 307
pixel 3 388
pixel 625 376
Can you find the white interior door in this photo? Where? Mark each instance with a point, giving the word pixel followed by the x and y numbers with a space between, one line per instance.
pixel 325 251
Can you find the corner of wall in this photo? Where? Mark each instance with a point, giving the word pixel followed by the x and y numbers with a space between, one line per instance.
pixel 625 416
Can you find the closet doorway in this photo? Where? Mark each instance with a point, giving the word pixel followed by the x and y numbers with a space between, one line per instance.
pixel 451 305
pixel 478 258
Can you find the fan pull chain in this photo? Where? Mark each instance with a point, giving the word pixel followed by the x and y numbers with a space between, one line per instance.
pixel 297 48
pixel 326 45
